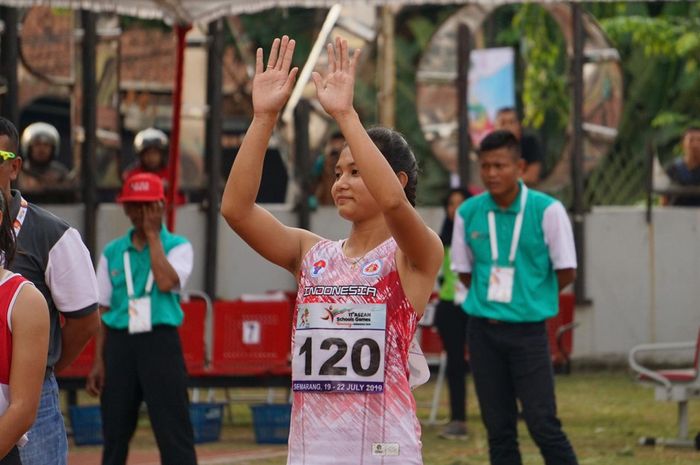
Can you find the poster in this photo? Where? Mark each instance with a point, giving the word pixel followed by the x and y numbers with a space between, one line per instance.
pixel 491 87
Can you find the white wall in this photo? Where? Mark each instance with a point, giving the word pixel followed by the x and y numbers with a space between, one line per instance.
pixel 643 280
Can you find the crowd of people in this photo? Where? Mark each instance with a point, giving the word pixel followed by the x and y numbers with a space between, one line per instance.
pixel 502 255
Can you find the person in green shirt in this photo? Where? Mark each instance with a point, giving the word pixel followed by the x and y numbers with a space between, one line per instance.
pixel 513 248
pixel 138 355
pixel 451 323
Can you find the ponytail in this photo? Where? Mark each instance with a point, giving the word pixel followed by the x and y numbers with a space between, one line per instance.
pixel 7 233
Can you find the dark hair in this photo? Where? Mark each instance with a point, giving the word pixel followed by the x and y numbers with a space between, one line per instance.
pixel 7 128
pixel 500 139
pixel 690 129
pixel 502 110
pixel 7 232
pixel 336 135
pixel 456 190
pixel 448 224
pixel 399 155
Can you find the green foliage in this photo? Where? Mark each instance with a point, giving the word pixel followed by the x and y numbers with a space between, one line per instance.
pixel 544 84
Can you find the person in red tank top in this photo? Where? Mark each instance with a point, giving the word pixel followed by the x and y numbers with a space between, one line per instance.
pixel 24 340
pixel 389 265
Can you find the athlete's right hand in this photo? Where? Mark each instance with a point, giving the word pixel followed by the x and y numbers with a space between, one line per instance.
pixel 96 379
pixel 273 85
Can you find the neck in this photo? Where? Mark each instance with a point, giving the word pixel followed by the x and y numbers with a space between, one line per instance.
pixel 138 238
pixel 365 236
pixel 690 162
pixel 505 199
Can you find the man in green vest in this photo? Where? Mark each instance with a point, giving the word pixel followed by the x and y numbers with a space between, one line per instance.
pixel 138 356
pixel 513 248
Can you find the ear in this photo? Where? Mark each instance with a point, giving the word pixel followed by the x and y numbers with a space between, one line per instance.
pixel 521 166
pixel 403 178
pixel 15 168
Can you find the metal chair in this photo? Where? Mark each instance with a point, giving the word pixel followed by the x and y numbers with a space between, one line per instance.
pixel 674 385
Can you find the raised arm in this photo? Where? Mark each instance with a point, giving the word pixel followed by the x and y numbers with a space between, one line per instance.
pixel 30 345
pixel 273 240
pixel 421 245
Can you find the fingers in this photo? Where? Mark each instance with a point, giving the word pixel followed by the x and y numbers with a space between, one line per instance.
pixel 331 58
pixel 272 59
pixel 290 79
pixel 342 45
pixel 258 61
pixel 355 60
pixel 288 54
pixel 318 81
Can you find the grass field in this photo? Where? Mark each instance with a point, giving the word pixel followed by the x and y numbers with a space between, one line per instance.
pixel 604 414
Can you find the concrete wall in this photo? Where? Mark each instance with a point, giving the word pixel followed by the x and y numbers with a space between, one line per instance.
pixel 643 280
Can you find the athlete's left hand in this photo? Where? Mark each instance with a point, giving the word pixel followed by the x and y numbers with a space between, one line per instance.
pixel 335 90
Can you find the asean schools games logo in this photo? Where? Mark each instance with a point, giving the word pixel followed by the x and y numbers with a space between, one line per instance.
pixel 318 268
pixel 373 268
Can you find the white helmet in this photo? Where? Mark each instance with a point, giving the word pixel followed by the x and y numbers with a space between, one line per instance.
pixel 150 137
pixel 43 132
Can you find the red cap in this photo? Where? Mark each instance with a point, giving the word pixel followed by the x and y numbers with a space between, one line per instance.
pixel 142 187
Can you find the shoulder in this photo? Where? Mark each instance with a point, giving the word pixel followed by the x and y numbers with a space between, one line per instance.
pixel 541 201
pixel 47 222
pixel 115 246
pixel 173 240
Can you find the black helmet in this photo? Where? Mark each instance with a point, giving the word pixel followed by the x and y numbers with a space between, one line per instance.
pixel 150 137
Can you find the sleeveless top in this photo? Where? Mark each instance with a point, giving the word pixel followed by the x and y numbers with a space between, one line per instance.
pixel 352 329
pixel 9 289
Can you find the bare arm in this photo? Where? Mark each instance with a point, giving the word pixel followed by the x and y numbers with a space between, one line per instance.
pixel 421 245
pixel 96 377
pixel 278 243
pixel 75 334
pixel 566 277
pixel 466 279
pixel 30 346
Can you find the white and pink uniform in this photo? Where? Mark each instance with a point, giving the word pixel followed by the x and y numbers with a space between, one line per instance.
pixel 9 288
pixel 353 326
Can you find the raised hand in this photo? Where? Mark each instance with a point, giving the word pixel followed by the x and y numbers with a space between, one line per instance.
pixel 335 90
pixel 273 85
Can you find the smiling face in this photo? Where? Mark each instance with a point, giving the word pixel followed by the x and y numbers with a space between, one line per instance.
pixel 350 194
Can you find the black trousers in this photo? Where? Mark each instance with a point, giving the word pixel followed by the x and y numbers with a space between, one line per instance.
pixel 511 362
pixel 451 323
pixel 146 367
pixel 12 457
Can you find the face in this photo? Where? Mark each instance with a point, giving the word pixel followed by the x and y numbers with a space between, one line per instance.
pixel 508 120
pixel 9 169
pixel 41 152
pixel 691 145
pixel 151 159
pixel 134 210
pixel 500 171
pixel 351 197
pixel 453 202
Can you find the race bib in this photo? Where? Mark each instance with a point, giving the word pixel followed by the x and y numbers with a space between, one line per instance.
pixel 339 348
pixel 501 284
pixel 140 315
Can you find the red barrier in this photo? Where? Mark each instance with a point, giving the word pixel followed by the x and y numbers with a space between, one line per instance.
pixel 251 338
pixel 192 336
pixel 82 365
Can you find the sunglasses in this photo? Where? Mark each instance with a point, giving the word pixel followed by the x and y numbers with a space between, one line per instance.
pixel 7 155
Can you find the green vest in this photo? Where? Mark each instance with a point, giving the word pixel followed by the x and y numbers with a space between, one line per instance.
pixel 535 286
pixel 165 306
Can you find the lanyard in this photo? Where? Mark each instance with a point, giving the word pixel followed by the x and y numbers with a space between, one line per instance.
pixel 21 214
pixel 516 229
pixel 130 281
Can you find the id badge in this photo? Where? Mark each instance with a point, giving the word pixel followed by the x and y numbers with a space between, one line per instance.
pixel 501 284
pixel 140 315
